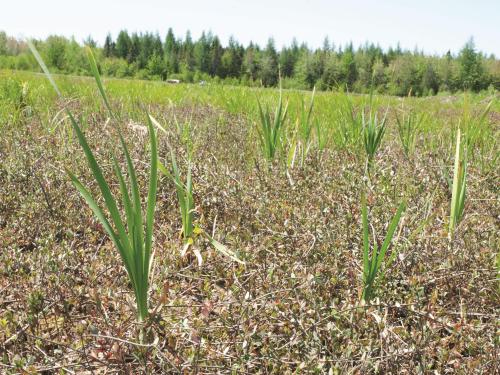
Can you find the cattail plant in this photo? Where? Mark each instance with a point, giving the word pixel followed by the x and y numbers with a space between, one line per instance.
pixel 373 132
pixel 408 129
pixel 132 235
pixel 480 138
pixel 459 184
pixel 322 134
pixel 476 128
pixel 16 97
pixel 349 123
pixel 305 127
pixel 185 199
pixel 372 261
pixel 184 191
pixel 270 130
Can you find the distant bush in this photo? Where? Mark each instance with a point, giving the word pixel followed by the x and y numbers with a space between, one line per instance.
pixel 293 84
pixel 142 74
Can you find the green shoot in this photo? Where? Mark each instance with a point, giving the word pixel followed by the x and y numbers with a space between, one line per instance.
pixel 408 128
pixel 185 199
pixel 293 146
pixel 477 128
pixel 271 127
pixel 187 209
pixel 97 77
pixel 373 132
pixel 305 127
pixel 132 235
pixel 459 184
pixel 135 246
pixel 350 124
pixel 300 142
pixel 321 135
pixel 373 261
pixel 184 192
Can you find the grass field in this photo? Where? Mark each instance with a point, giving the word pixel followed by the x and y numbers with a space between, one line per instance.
pixel 299 303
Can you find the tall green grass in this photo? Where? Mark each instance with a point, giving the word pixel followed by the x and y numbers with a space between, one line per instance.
pixel 132 235
pixel 305 126
pixel 185 198
pixel 480 137
pixel 349 123
pixel 302 135
pixel 373 132
pixel 16 101
pixel 459 187
pixel 271 127
pixel 476 127
pixel 409 125
pixel 184 192
pixel 372 260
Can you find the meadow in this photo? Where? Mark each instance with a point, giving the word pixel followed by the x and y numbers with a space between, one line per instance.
pixel 290 231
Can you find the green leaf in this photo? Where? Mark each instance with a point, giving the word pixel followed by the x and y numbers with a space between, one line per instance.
pixel 223 249
pixel 97 77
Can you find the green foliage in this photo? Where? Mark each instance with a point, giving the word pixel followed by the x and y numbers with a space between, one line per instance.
pixel 133 241
pixel 97 77
pixel 372 261
pixel 408 128
pixel 480 136
pixel 373 132
pixel 184 191
pixel 156 67
pixel 145 56
pixel 477 128
pixel 277 226
pixel 190 232
pixel 350 124
pixel 131 235
pixel 117 67
pixel 430 80
pixel 471 68
pixel 348 68
pixel 309 69
pixel 269 65
pixel 459 184
pixel 271 127
pixel 404 76
pixel 16 93
pixel 56 51
pixel 15 101
pixel 123 44
pixel 184 198
pixel 302 136
pixel 305 121
pixel 3 43
pixel 109 49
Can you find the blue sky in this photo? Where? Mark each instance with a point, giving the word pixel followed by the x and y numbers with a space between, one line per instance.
pixel 434 26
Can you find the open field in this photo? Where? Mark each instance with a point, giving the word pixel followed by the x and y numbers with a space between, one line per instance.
pixel 295 306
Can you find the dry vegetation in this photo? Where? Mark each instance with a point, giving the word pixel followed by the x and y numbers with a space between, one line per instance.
pixel 66 305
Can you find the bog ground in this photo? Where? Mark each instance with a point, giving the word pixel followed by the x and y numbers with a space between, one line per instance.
pixel 295 306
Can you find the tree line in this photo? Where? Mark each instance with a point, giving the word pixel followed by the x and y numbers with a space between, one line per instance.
pixel 368 67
